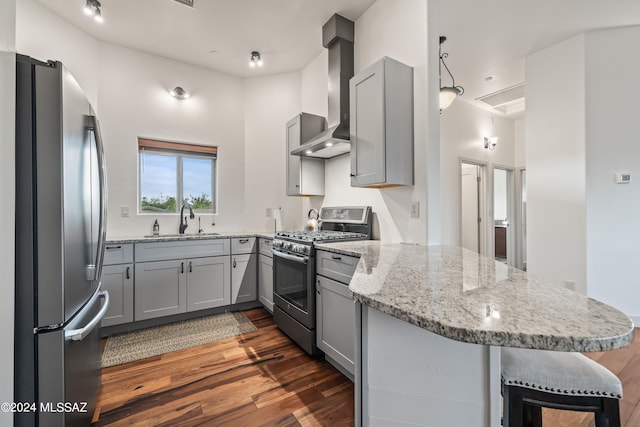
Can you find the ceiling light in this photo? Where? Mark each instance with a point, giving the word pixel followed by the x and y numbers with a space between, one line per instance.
pixel 447 93
pixel 490 143
pixel 179 93
pixel 92 8
pixel 255 60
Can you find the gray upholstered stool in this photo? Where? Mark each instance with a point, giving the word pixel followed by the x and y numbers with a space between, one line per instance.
pixel 532 379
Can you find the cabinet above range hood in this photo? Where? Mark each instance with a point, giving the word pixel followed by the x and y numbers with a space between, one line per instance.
pixel 337 37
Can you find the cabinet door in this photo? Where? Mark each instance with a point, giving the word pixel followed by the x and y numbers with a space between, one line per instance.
pixel 336 318
pixel 244 278
pixel 118 280
pixel 160 289
pixel 367 126
pixel 208 282
pixel 265 281
pixel 293 162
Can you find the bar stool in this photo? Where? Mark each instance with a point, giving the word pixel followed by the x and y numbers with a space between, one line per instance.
pixel 532 379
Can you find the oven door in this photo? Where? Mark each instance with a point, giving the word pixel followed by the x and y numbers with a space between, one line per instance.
pixel 293 286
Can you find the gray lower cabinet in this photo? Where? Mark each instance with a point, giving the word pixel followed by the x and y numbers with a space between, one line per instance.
pixel 336 309
pixel 265 281
pixel 161 289
pixel 265 273
pixel 208 283
pixel 244 277
pixel 335 316
pixel 117 279
pixel 171 287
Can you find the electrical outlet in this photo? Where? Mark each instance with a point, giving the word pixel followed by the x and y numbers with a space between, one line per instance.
pixel 570 284
pixel 415 209
pixel 268 212
pixel 124 211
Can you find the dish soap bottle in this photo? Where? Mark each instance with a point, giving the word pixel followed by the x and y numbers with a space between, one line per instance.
pixel 156 228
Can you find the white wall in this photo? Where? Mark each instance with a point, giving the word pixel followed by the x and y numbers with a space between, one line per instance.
pixel 612 145
pixel 462 131
pixel 44 35
pixel 7 192
pixel 398 30
pixel 269 103
pixel 555 153
pixel 134 102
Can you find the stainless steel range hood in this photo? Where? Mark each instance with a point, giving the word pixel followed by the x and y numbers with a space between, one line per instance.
pixel 337 36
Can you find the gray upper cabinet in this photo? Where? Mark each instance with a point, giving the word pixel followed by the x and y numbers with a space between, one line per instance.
pixel 381 103
pixel 305 176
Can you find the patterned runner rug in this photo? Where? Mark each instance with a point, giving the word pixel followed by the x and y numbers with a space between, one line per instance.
pixel 130 346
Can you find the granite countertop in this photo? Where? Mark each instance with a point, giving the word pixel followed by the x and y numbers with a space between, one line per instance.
pixel 467 297
pixel 174 237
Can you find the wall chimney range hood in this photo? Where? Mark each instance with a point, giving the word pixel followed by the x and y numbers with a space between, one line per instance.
pixel 337 36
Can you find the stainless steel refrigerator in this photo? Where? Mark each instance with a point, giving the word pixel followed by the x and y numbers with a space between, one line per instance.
pixel 60 232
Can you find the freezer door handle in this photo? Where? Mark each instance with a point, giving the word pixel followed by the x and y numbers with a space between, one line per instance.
pixel 80 334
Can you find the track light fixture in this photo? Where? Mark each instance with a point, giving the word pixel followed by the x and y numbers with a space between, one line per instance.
pixel 255 60
pixel 179 93
pixel 447 93
pixel 92 8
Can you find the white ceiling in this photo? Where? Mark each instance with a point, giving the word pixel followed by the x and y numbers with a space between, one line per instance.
pixel 287 33
pixel 484 38
pixel 492 37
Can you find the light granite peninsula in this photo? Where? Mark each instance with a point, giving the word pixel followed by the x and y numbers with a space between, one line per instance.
pixel 432 319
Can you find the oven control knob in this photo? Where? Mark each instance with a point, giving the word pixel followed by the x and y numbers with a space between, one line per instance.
pixel 287 245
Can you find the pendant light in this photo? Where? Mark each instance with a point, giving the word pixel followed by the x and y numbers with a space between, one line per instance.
pixel 447 93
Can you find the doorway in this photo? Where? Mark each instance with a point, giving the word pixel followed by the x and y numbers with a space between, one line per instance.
pixel 503 215
pixel 472 206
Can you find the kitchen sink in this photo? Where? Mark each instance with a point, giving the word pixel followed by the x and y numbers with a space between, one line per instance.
pixel 176 235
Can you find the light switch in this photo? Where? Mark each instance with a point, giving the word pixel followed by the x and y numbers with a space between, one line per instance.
pixel 124 211
pixel 268 212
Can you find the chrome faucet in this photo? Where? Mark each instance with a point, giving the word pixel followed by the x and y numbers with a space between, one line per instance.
pixel 184 225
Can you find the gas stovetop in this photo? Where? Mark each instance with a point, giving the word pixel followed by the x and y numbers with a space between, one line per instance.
pixel 319 236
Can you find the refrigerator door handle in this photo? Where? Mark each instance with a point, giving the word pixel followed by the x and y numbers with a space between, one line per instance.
pixel 80 334
pixel 94 271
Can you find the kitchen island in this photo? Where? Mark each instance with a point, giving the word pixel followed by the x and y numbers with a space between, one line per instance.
pixel 433 318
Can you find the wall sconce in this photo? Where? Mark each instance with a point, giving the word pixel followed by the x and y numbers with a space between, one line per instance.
pixel 255 60
pixel 490 143
pixel 447 93
pixel 92 8
pixel 179 93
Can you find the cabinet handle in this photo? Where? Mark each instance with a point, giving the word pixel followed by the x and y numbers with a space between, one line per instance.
pixel 352 175
pixel 336 257
pixel 113 247
pixel 128 276
pixel 234 263
pixel 182 267
pixel 243 241
pixel 190 267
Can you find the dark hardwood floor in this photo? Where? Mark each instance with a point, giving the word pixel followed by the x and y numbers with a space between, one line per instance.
pixel 263 379
pixel 257 379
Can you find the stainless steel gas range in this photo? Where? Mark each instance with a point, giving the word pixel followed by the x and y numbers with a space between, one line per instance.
pixel 294 269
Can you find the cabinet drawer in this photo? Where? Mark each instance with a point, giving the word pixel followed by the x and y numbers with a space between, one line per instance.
pixel 336 266
pixel 243 245
pixel 118 253
pixel 265 247
pixel 160 251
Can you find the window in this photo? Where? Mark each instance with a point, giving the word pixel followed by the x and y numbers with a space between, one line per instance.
pixel 171 172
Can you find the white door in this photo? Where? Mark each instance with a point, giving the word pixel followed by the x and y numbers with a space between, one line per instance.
pixel 471 230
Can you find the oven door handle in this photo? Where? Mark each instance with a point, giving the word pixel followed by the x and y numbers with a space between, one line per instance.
pixel 294 258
